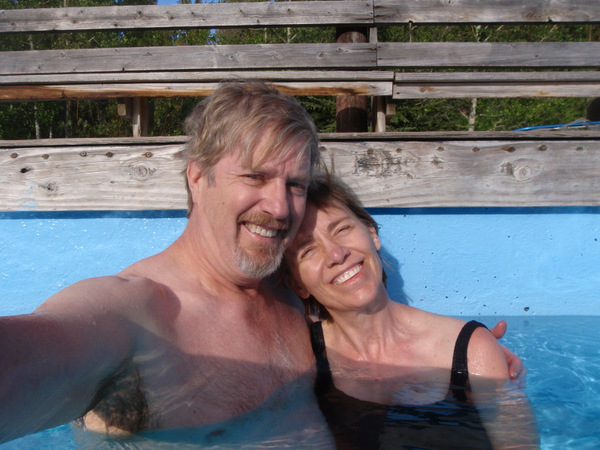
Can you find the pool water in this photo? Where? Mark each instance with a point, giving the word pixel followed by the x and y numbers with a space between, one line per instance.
pixel 562 356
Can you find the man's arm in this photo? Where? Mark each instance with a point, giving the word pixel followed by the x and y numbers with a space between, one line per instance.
pixel 516 371
pixel 54 359
pixel 506 412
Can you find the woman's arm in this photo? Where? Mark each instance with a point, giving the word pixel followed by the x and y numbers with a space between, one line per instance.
pixel 505 410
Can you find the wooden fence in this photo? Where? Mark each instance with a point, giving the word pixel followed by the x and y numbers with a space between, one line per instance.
pixel 429 169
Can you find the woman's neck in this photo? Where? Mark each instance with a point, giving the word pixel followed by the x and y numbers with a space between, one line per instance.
pixel 369 334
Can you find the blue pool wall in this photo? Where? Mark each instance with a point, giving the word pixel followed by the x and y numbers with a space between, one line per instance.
pixel 462 261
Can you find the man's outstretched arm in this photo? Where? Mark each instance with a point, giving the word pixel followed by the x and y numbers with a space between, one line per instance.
pixel 54 359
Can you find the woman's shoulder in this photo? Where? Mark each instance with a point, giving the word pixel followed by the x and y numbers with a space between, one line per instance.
pixel 440 323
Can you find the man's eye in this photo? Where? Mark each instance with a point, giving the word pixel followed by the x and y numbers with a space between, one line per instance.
pixel 253 177
pixel 298 188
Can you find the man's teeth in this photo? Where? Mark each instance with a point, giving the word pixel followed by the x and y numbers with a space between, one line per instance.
pixel 347 275
pixel 261 231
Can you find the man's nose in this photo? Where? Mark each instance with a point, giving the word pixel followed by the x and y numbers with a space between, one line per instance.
pixel 276 200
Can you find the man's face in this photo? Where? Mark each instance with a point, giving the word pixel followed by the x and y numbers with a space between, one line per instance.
pixel 254 212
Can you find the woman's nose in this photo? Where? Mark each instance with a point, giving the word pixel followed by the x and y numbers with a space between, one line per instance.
pixel 335 253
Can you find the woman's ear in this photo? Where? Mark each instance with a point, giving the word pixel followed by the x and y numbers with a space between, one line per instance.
pixel 375 238
pixel 297 287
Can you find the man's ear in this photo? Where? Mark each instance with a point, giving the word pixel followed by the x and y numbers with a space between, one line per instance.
pixel 375 238
pixel 194 175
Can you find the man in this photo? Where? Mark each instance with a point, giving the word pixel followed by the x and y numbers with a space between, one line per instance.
pixel 194 335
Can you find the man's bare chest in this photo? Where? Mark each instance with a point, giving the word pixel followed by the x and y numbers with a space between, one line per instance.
pixel 219 371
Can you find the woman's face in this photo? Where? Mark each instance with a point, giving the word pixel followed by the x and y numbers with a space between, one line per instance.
pixel 334 258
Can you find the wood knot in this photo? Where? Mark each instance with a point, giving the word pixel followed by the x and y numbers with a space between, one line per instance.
pixel 141 172
pixel 522 169
pixel 51 187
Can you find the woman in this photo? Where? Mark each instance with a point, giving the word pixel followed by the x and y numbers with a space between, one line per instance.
pixel 391 375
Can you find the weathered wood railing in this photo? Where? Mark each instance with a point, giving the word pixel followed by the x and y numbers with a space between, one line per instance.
pixel 508 168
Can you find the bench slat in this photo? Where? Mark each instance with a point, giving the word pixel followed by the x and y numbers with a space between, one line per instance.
pixel 421 55
pixel 295 56
pixel 490 11
pixel 295 13
pixel 201 15
pixel 170 89
pixel 195 76
pixel 496 84
pixel 495 90
pixel 201 57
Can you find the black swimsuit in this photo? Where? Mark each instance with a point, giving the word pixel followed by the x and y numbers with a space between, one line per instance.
pixel 359 424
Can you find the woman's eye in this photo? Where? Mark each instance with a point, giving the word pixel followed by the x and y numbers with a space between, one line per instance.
pixel 298 188
pixel 343 229
pixel 305 253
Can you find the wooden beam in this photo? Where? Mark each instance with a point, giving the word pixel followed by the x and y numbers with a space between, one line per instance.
pixel 395 170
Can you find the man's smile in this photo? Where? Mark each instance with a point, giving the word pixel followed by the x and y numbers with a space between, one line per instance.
pixel 260 230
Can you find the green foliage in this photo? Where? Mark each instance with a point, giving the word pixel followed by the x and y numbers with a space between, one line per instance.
pixel 490 114
pixel 428 115
pixel 87 118
pixel 170 113
pixel 509 114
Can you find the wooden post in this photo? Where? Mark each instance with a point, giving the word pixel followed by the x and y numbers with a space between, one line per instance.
pixel 351 115
pixel 378 106
pixel 139 117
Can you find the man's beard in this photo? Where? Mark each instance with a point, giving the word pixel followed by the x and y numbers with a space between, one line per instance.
pixel 262 263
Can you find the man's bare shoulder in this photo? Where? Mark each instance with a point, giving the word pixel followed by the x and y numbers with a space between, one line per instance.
pixel 125 295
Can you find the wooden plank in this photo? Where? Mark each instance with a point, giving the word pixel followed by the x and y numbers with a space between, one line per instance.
pixel 202 57
pixel 451 136
pixel 496 84
pixel 499 77
pixel 146 173
pixel 170 89
pixel 490 11
pixel 267 14
pixel 497 90
pixel 421 55
pixel 201 15
pixel 196 77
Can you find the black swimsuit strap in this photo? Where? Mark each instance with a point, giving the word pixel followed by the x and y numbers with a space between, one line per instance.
pixel 460 370
pixel 318 345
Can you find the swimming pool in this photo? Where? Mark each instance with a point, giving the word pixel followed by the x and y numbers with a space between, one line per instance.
pixel 563 384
